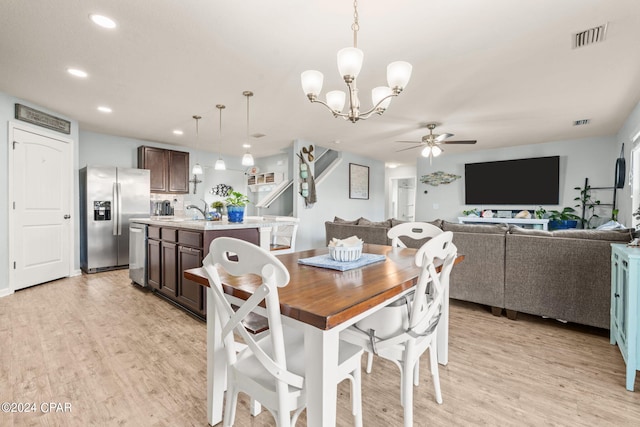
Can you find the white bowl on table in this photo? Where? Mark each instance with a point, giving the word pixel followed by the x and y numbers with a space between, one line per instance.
pixel 345 253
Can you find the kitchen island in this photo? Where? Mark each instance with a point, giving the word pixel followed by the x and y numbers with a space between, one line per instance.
pixel 177 244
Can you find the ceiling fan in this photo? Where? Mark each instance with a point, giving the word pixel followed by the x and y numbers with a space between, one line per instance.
pixel 431 143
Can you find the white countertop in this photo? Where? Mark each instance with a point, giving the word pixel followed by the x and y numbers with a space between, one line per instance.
pixel 202 225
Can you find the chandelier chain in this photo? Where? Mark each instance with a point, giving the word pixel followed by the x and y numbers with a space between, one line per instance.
pixel 356 25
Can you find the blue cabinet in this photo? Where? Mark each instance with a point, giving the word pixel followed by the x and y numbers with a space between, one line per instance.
pixel 625 301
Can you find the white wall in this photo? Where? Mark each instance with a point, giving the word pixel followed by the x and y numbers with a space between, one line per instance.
pixel 7 109
pixel 589 157
pixel 333 199
pixel 630 129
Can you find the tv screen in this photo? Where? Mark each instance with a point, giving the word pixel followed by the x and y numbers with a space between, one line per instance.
pixel 533 181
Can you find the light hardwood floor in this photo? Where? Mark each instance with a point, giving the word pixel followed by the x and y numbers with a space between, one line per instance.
pixel 122 356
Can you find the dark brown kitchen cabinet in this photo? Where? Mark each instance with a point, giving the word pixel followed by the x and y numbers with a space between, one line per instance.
pixel 170 252
pixel 169 269
pixel 169 169
pixel 153 263
pixel 190 294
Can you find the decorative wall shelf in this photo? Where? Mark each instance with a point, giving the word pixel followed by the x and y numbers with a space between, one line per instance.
pixel 264 181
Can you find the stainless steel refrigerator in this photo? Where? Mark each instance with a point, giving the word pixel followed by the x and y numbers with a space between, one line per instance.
pixel 109 198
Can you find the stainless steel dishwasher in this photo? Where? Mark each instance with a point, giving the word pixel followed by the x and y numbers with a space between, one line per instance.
pixel 138 253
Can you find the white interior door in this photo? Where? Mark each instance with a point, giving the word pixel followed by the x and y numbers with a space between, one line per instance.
pixel 40 211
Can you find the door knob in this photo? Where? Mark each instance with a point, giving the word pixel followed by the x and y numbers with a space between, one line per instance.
pixel 67 216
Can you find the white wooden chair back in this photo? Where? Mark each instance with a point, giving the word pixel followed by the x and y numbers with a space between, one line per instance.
pixel 239 258
pixel 284 235
pixel 425 308
pixel 413 230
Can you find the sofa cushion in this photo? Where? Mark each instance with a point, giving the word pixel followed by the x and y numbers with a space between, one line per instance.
pixel 475 228
pixel 366 222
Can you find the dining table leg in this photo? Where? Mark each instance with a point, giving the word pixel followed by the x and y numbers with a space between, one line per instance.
pixel 216 364
pixel 321 362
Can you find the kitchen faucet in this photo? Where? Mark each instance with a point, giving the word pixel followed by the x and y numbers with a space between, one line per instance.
pixel 202 211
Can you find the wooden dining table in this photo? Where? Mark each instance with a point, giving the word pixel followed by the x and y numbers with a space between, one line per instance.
pixel 321 302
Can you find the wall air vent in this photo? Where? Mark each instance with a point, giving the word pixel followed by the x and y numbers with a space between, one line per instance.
pixel 581 122
pixel 590 36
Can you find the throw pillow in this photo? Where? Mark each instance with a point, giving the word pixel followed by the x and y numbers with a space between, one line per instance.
pixel 339 220
pixel 366 222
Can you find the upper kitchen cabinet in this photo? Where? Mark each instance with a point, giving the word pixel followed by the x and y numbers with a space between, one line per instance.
pixel 169 169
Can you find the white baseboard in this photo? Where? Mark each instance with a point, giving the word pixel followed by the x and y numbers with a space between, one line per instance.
pixel 5 292
pixel 75 273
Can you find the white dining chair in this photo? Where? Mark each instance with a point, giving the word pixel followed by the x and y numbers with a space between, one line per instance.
pixel 283 237
pixel 270 369
pixel 402 334
pixel 408 230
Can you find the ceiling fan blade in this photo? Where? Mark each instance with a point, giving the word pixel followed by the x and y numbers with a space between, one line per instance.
pixel 410 148
pixel 460 142
pixel 442 137
pixel 411 142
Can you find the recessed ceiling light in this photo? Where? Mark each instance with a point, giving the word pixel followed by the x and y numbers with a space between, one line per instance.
pixel 178 132
pixel 104 109
pixel 102 21
pixel 246 145
pixel 76 72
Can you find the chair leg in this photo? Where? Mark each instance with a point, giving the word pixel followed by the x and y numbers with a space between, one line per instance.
pixel 416 374
pixel 230 406
pixel 356 396
pixel 433 359
pixel 407 395
pixel 255 408
pixel 369 362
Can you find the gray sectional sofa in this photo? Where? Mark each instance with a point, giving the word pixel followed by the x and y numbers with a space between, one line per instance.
pixel 564 274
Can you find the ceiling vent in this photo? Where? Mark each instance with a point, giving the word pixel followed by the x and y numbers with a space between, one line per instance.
pixel 258 135
pixel 581 122
pixel 590 36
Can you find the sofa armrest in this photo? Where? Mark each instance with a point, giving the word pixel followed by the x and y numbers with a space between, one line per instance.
pixel 480 277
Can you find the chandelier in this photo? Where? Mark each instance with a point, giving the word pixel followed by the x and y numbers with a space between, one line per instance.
pixel 220 166
pixel 349 65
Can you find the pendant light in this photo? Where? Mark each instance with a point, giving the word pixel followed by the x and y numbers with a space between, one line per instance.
pixel 220 166
pixel 247 159
pixel 197 169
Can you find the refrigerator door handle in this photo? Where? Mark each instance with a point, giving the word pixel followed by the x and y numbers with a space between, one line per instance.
pixel 119 211
pixel 116 209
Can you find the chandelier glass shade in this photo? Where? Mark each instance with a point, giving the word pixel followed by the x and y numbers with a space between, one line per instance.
pixel 220 166
pixel 349 65
pixel 197 169
pixel 247 159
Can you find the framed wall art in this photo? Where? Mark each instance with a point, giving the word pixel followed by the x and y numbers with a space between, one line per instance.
pixel 358 181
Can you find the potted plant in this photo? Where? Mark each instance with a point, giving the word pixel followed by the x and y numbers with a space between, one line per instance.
pixel 218 210
pixel 588 205
pixel 236 202
pixel 539 213
pixel 560 220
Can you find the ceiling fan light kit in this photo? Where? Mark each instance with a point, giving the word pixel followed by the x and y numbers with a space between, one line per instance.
pixel 431 143
pixel 349 65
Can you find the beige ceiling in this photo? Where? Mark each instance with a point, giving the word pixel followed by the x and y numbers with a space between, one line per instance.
pixel 502 72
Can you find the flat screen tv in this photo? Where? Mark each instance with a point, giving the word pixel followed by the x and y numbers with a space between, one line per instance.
pixel 533 181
